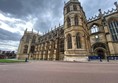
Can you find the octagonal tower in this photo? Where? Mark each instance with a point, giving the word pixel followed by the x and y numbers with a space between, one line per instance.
pixel 75 32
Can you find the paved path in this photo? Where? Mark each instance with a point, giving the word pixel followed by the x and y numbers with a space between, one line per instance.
pixel 59 72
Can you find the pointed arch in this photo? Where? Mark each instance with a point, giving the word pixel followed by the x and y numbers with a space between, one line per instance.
pixel 25 49
pixel 78 40
pixel 69 41
pixel 68 22
pixel 32 49
pixel 94 29
pixel 76 20
pixel 34 39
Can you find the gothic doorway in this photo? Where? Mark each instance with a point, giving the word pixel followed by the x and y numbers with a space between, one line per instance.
pixel 100 49
pixel 101 53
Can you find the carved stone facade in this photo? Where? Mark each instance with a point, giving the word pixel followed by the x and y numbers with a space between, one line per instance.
pixel 77 38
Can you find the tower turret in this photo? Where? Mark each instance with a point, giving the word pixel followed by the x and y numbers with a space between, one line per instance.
pixel 75 30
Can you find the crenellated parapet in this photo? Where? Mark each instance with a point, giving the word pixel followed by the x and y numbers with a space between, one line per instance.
pixel 105 13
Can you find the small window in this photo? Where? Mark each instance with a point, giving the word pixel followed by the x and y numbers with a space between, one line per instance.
pixel 74 7
pixel 68 9
pixel 76 20
pixel 68 22
pixel 94 29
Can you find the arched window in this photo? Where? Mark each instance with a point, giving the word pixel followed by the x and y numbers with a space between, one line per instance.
pixel 94 29
pixel 32 49
pixel 78 40
pixel 113 26
pixel 69 41
pixel 76 20
pixel 75 7
pixel 68 9
pixel 68 22
pixel 34 39
pixel 25 49
pixel 27 38
pixel 61 45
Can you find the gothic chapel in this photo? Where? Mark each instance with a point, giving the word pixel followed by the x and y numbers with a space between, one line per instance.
pixel 76 39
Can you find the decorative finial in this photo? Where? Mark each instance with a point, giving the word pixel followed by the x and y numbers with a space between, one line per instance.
pixel 55 26
pixel 51 29
pixel 64 2
pixel 100 13
pixel 25 30
pixel 32 30
pixel 59 24
pixel 116 4
pixel 38 32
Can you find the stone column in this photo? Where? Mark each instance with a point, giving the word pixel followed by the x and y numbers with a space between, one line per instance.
pixel 111 48
pixel 74 41
pixel 54 55
pixel 29 46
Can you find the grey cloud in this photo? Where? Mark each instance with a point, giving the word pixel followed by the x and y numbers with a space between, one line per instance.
pixel 6 35
pixel 22 8
pixel 38 8
pixel 11 6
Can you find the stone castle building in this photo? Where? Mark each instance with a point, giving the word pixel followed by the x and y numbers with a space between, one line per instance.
pixel 76 39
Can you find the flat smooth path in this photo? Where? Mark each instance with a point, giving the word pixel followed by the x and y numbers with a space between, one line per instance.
pixel 59 72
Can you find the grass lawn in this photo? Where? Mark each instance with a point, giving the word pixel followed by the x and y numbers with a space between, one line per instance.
pixel 10 61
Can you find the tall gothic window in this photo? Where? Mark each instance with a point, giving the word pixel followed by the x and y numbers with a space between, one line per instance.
pixel 113 25
pixel 75 7
pixel 69 41
pixel 27 38
pixel 68 22
pixel 68 9
pixel 34 39
pixel 61 45
pixel 78 40
pixel 76 20
pixel 25 49
pixel 32 49
pixel 94 29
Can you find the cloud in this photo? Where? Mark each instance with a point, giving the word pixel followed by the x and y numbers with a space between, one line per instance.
pixel 6 35
pixel 9 45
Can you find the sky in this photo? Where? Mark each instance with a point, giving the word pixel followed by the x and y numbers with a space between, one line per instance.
pixel 40 15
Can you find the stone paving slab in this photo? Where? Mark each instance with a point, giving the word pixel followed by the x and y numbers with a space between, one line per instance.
pixel 59 72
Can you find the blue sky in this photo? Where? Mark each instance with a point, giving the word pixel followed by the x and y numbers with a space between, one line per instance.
pixel 41 15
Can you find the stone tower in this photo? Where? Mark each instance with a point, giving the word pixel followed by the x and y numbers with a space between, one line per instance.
pixel 75 32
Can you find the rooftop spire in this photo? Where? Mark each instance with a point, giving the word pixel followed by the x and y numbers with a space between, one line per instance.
pixel 116 4
pixel 32 30
pixel 25 30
